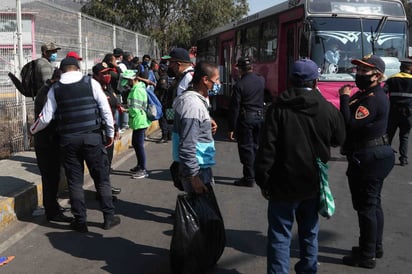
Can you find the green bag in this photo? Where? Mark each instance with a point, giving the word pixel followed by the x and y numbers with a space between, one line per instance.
pixel 326 202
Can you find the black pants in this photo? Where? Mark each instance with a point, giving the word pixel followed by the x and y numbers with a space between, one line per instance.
pixel 367 169
pixel 80 148
pixel 48 161
pixel 247 134
pixel 400 118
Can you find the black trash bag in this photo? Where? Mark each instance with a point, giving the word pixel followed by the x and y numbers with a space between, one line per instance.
pixel 199 236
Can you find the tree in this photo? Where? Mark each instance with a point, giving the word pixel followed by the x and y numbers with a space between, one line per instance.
pixel 170 22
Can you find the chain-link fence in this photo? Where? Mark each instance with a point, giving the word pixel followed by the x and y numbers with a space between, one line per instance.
pixel 72 31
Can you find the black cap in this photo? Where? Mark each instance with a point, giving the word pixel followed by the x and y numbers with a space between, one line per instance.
pixel 243 62
pixel 406 61
pixel 100 67
pixel 69 61
pixel 117 52
pixel 372 61
pixel 178 54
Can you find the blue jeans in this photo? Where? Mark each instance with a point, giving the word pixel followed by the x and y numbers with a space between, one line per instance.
pixel 138 145
pixel 281 217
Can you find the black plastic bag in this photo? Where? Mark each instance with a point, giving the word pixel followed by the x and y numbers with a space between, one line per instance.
pixel 174 171
pixel 198 237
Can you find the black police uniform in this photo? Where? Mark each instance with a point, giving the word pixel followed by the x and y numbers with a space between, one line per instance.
pixel 246 117
pixel 370 159
pixel 46 145
pixel 399 87
pixel 78 123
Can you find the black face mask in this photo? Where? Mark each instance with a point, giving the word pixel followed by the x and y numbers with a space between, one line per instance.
pixel 363 81
pixel 170 72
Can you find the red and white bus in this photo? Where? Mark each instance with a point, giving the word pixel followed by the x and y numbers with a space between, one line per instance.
pixel 330 32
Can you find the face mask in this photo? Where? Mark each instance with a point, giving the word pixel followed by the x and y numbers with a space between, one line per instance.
pixel 170 72
pixel 363 81
pixel 106 78
pixel 215 89
pixel 53 57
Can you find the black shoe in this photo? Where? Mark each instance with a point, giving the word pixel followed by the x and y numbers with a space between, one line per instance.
pixel 355 260
pixel 116 190
pixel 61 218
pixel 378 254
pixel 64 209
pixel 245 182
pixel 162 141
pixel 404 162
pixel 79 227
pixel 111 222
pixel 134 169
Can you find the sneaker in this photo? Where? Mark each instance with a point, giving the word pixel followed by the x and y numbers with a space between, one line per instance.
pixel 162 141
pixel 140 174
pixel 79 226
pixel 134 169
pixel 111 222
pixel 404 162
pixel 378 254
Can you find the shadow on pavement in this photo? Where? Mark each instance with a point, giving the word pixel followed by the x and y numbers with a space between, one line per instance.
pixel 121 256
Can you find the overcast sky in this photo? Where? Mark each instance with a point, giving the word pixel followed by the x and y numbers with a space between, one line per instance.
pixel 258 5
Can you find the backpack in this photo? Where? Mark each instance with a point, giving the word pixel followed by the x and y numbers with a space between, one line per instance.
pixel 154 107
pixel 27 84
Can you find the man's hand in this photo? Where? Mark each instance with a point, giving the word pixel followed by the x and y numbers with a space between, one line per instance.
pixel 198 186
pixel 345 90
pixel 109 141
pixel 214 126
pixel 232 136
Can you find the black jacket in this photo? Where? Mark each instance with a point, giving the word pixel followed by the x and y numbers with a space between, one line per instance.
pixel 300 126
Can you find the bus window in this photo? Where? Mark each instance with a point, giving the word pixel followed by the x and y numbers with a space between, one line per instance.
pixel 247 43
pixel 336 41
pixel 268 41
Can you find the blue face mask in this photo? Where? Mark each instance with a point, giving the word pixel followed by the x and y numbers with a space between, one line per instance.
pixel 215 89
pixel 53 57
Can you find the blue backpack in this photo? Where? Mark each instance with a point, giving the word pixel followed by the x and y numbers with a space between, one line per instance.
pixel 154 107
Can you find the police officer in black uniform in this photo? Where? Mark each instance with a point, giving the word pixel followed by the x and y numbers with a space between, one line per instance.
pixel 399 87
pixel 246 117
pixel 370 157
pixel 78 105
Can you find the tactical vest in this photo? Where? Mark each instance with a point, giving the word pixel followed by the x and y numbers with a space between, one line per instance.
pixel 77 110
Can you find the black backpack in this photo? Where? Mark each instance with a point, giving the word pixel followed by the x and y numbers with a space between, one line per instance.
pixel 27 85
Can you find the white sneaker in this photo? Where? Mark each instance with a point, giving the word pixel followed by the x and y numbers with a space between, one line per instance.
pixel 140 174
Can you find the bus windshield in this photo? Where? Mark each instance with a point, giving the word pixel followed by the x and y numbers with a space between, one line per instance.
pixel 336 41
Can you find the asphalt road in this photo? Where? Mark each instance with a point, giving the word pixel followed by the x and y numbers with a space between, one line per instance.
pixel 140 245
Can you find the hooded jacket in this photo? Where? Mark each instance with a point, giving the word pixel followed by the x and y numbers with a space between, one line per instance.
pixel 300 126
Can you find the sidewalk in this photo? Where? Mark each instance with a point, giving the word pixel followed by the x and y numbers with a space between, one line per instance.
pixel 20 181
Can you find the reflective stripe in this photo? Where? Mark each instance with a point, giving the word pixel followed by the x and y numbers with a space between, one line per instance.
pixel 402 94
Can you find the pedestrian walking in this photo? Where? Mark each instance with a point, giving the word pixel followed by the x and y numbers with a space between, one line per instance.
pixel 370 157
pixel 246 117
pixel 399 88
pixel 193 144
pixel 138 121
pixel 300 126
pixel 78 105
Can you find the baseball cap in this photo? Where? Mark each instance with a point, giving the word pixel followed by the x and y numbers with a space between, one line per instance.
pixel 178 54
pixel 117 52
pixel 406 61
pixel 305 69
pixel 243 62
pixel 49 46
pixel 127 75
pixel 100 67
pixel 74 55
pixel 69 61
pixel 372 61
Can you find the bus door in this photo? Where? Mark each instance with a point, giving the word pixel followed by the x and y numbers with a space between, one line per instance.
pixel 288 51
pixel 225 70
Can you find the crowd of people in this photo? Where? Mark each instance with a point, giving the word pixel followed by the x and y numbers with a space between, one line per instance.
pixel 80 116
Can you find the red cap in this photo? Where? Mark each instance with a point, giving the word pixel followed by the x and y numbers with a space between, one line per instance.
pixel 74 54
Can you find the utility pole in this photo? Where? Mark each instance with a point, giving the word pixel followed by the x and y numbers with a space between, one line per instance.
pixel 20 57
